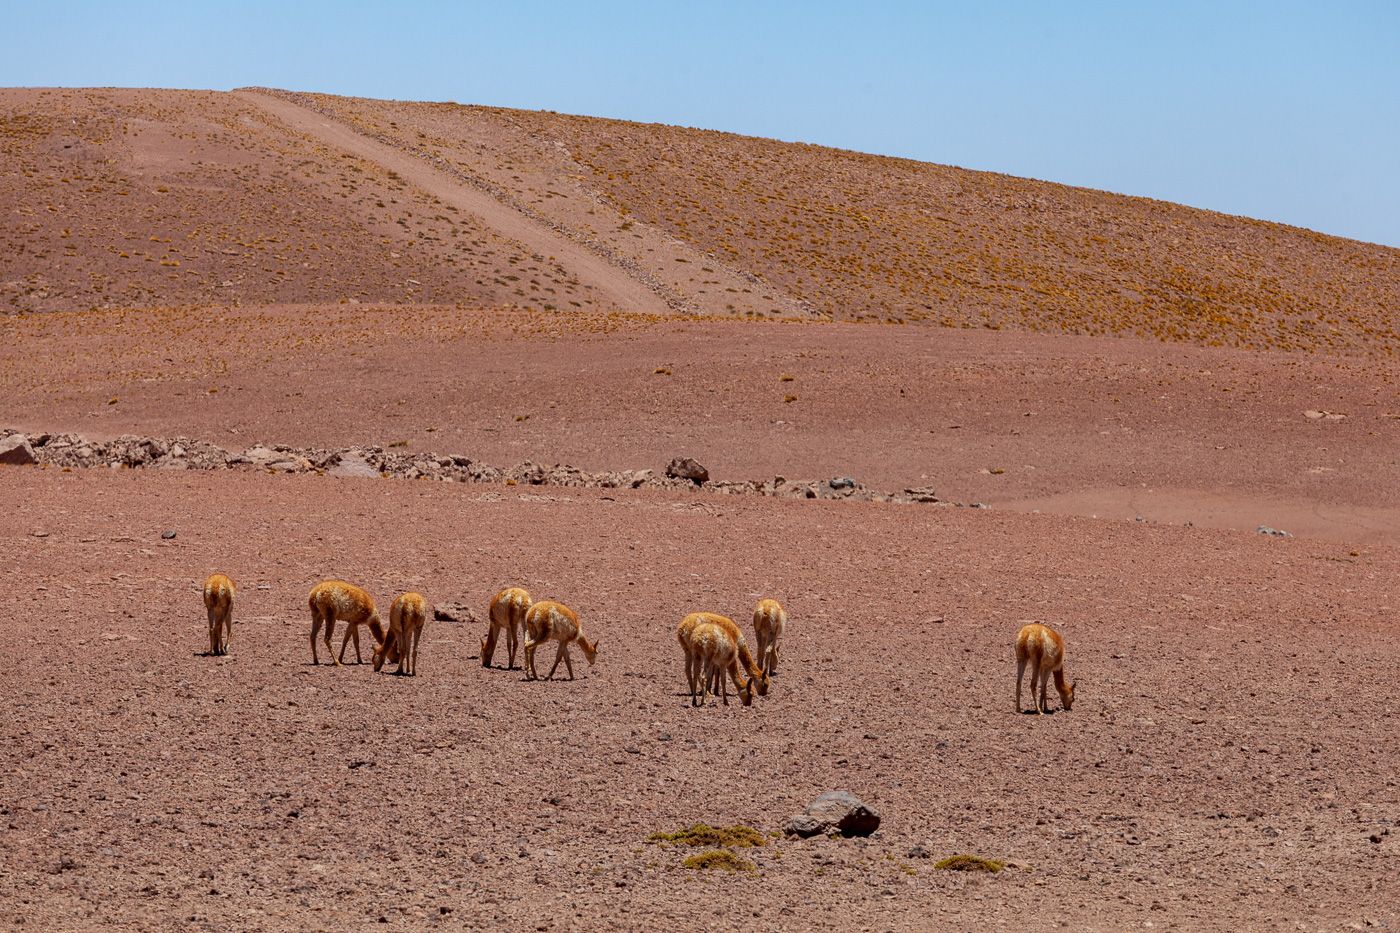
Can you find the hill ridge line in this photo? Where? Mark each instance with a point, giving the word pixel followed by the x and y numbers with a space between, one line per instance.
pixel 610 274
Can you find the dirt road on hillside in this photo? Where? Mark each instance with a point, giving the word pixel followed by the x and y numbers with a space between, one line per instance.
pixel 627 292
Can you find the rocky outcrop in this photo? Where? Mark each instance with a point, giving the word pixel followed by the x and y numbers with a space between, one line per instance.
pixel 72 451
pixel 16 451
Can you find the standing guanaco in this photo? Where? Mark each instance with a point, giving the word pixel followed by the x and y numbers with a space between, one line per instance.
pixel 507 612
pixel 336 599
pixel 551 621
pixel 218 599
pixel 1044 649
pixel 717 652
pixel 407 616
pixel 692 664
pixel 769 620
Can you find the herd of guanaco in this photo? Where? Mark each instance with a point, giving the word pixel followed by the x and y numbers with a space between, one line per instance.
pixel 715 650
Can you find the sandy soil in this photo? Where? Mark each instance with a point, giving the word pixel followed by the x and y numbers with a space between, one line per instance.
pixel 1227 762
pixel 1111 427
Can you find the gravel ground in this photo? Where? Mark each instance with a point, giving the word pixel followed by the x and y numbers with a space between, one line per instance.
pixel 1228 762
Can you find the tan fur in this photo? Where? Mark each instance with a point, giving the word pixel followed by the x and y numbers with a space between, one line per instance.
pixel 769 620
pixel 218 600
pixel 407 616
pixel 336 599
pixel 717 653
pixel 551 621
pixel 684 631
pixel 506 613
pixel 1043 649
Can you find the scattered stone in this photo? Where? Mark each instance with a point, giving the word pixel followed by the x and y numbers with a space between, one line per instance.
pixel 168 535
pixel 1275 532
pixel 686 468
pixel 918 851
pixel 454 613
pixel 352 465
pixel 834 811
pixel 71 451
pixel 15 451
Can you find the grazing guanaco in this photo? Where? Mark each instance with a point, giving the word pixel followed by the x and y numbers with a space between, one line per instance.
pixel 692 664
pixel 769 620
pixel 1043 649
pixel 551 621
pixel 218 599
pixel 407 616
pixel 507 612
pixel 336 599
pixel 717 653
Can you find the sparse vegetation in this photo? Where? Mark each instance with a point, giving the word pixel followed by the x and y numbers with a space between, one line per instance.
pixel 970 863
pixel 702 834
pixel 720 859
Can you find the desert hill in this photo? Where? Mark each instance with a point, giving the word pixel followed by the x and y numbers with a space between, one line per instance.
pixel 129 198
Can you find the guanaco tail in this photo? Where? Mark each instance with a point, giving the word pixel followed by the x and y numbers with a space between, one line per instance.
pixel 769 620
pixel 407 616
pixel 218 599
pixel 506 613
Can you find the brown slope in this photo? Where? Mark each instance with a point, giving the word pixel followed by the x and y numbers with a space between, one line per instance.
pixel 621 291
pixel 863 237
pixel 131 198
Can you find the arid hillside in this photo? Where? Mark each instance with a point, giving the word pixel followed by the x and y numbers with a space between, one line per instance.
pixel 133 198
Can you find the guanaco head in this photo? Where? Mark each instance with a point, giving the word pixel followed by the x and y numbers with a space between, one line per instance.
pixel 1067 695
pixel 386 649
pixel 746 692
pixel 589 651
pixel 488 647
pixel 759 683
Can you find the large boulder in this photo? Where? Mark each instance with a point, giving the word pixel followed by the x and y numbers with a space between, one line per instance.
pixel 686 468
pixel 836 811
pixel 15 450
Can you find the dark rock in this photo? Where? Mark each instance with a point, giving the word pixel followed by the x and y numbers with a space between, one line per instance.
pixel 454 612
pixel 168 535
pixel 686 468
pixel 1274 532
pixel 834 811
pixel 919 851
pixel 842 482
pixel 15 450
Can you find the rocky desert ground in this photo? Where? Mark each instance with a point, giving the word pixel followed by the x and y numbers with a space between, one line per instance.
pixel 449 349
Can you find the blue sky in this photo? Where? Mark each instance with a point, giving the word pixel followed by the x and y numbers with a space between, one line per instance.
pixel 1282 110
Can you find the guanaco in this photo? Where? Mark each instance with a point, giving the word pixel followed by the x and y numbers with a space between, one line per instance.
pixel 218 599
pixel 692 664
pixel 507 612
pixel 1044 649
pixel 769 620
pixel 551 621
pixel 407 616
pixel 336 599
pixel 717 652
